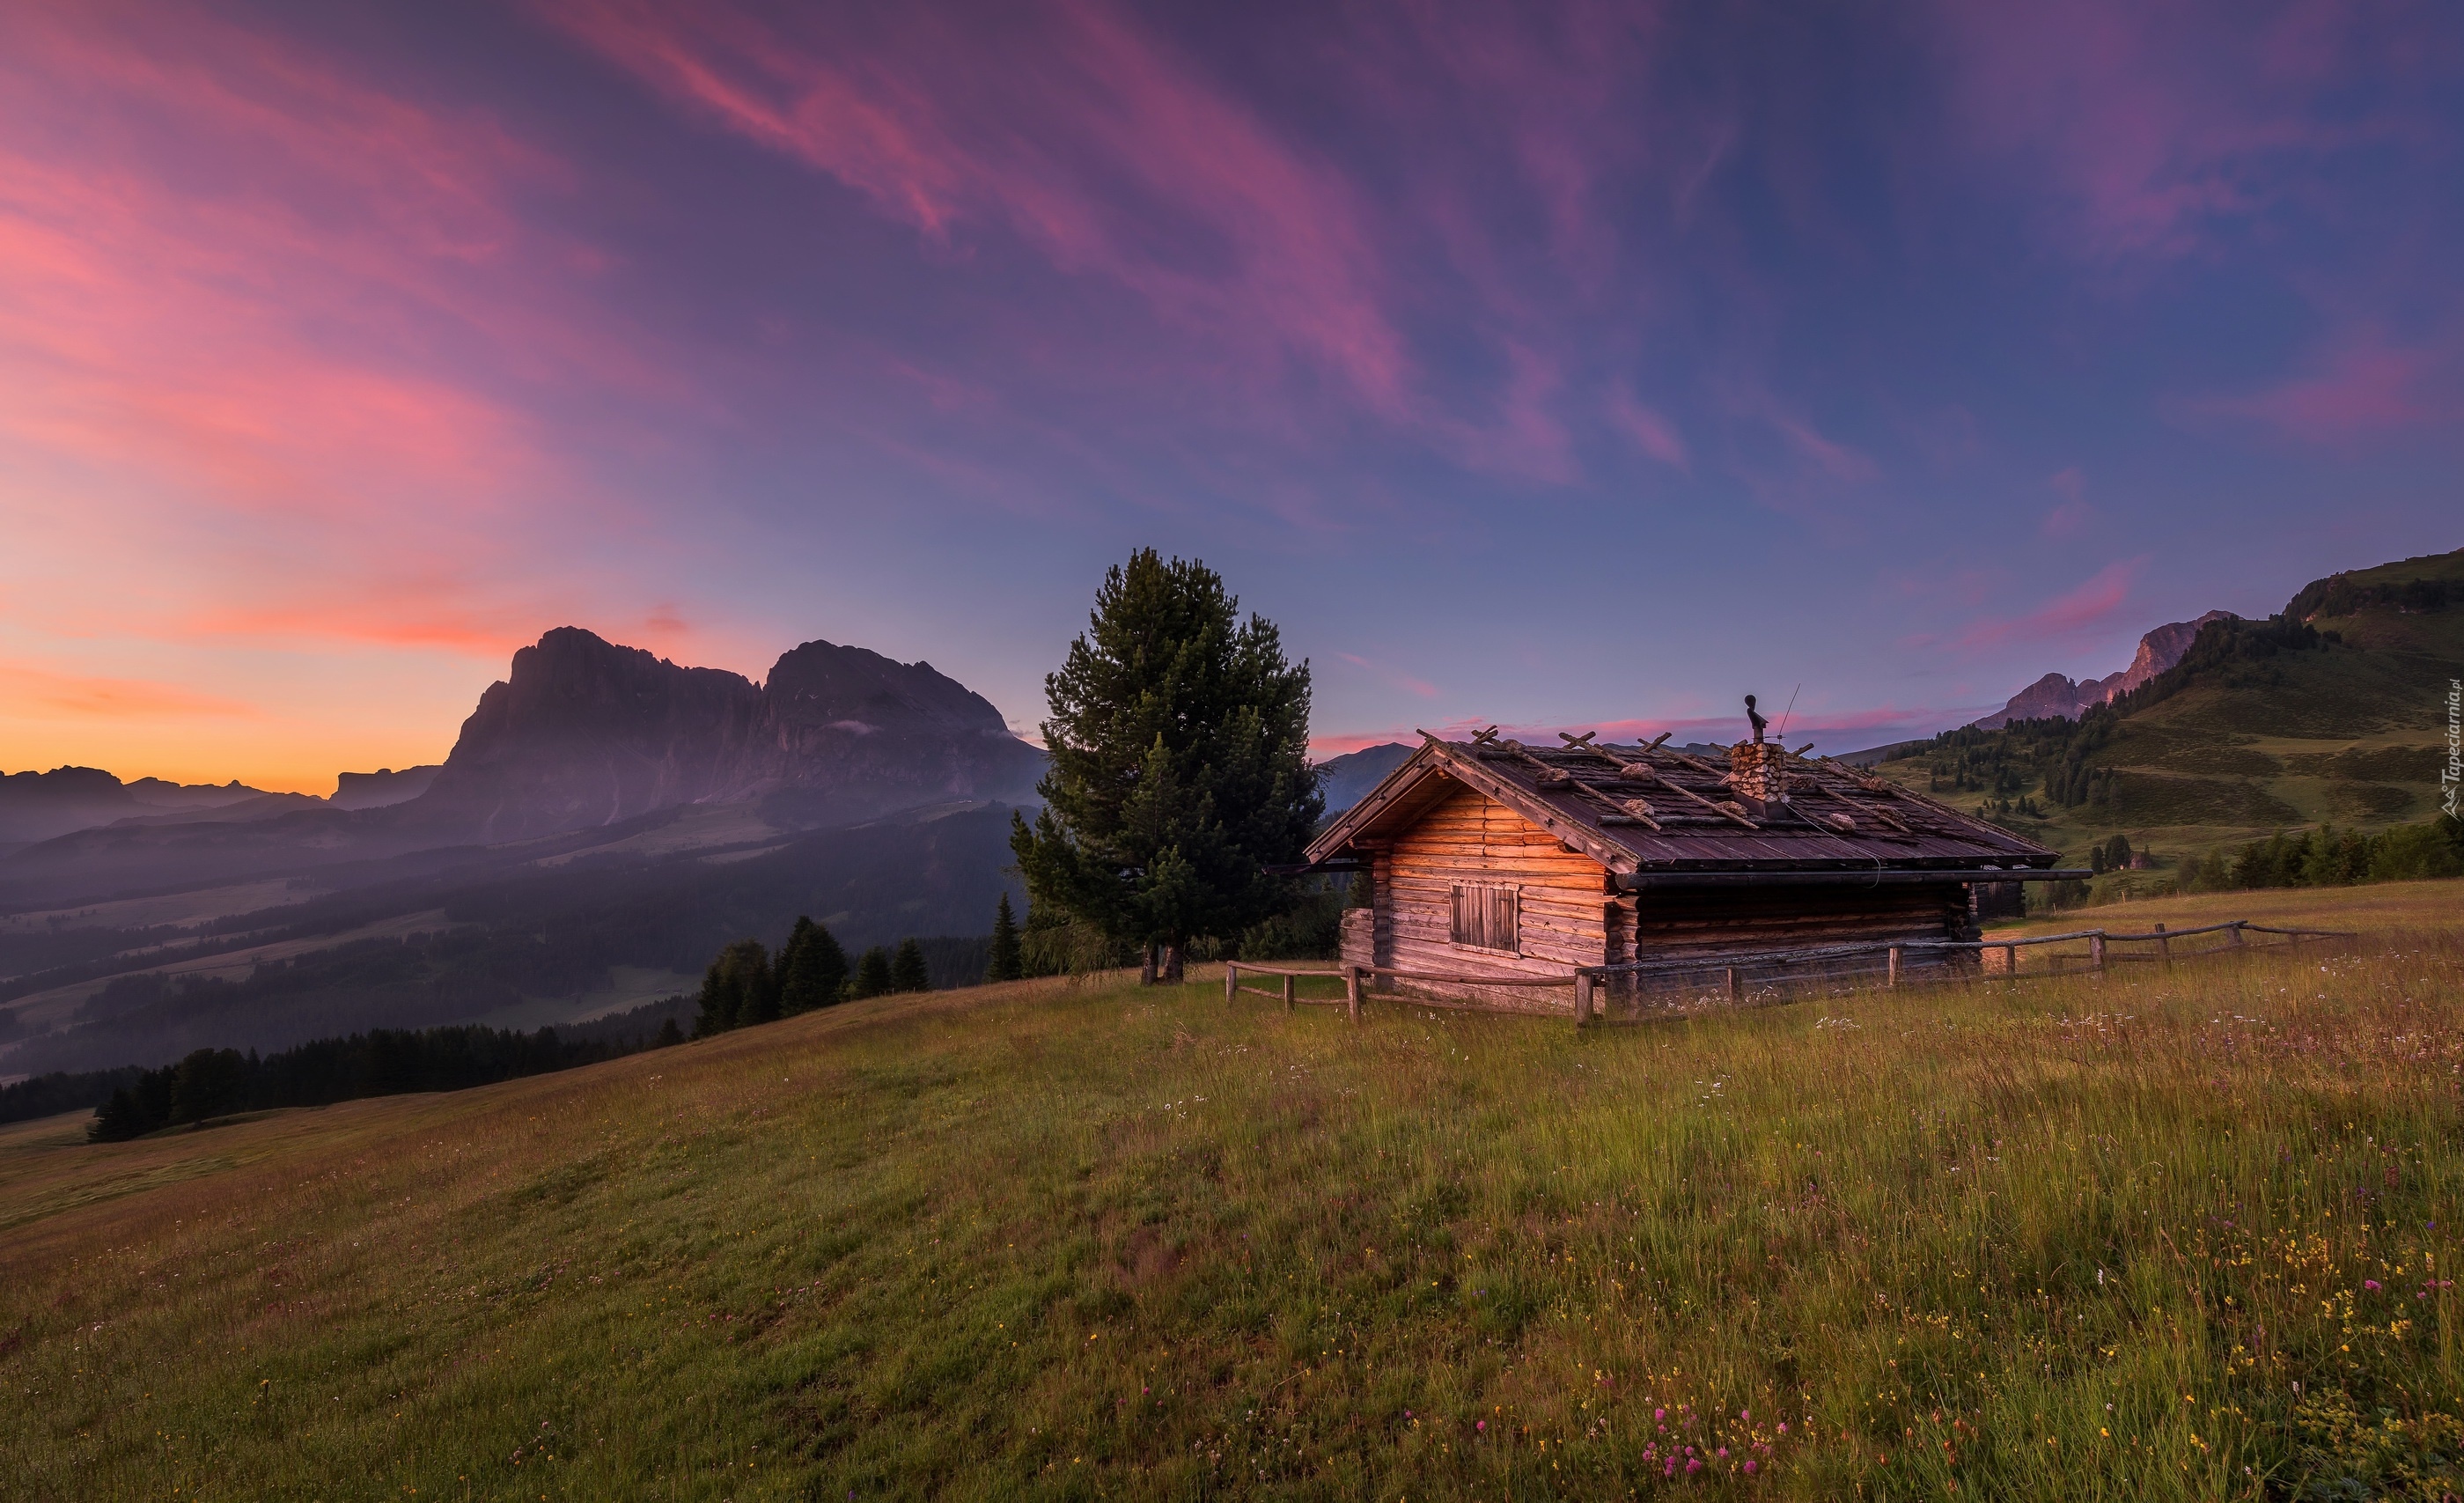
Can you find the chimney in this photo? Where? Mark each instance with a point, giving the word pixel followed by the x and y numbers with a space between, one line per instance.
pixel 1755 771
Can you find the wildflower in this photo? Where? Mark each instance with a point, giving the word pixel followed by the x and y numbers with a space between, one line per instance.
pixel 1480 1425
pixel 1695 1464
pixel 2370 1284
pixel 1783 1426
pixel 1749 1466
pixel 1660 1414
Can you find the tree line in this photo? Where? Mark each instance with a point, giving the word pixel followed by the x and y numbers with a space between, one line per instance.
pixel 2327 857
pixel 218 1082
pixel 746 985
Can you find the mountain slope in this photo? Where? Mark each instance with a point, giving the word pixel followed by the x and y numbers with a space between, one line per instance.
pixel 2058 696
pixel 1347 780
pixel 2332 712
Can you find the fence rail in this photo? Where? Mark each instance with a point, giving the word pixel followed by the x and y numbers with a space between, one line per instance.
pixel 1896 957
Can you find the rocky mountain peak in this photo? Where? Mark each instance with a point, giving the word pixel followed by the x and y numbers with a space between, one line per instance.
pixel 821 684
pixel 584 732
pixel 2059 696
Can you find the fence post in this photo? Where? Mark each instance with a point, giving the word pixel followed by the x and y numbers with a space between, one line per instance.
pixel 1231 980
pixel 2164 948
pixel 2233 932
pixel 2011 961
pixel 1352 991
pixel 1895 966
pixel 1582 999
pixel 1736 988
pixel 2096 948
pixel 1288 1003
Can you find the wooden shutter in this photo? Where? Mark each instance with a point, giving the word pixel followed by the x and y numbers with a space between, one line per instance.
pixel 1487 917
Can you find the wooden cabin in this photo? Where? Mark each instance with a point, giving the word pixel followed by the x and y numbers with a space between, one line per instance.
pixel 1491 858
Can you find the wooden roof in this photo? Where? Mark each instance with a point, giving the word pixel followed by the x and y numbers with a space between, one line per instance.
pixel 1645 809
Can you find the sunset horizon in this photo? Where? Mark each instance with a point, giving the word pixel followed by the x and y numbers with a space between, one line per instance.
pixel 1567 373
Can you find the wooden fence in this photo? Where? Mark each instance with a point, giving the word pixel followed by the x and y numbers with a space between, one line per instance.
pixel 1735 975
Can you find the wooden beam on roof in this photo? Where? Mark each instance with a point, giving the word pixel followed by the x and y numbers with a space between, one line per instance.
pixel 1514 796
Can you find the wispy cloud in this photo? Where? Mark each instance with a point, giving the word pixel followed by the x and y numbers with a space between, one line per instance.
pixel 2073 513
pixel 2367 389
pixel 279 320
pixel 1084 134
pixel 1386 673
pixel 2152 128
pixel 2088 606
pixel 1651 432
pixel 36 693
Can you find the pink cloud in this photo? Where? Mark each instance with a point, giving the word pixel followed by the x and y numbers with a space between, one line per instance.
pixel 1835 459
pixel 1651 432
pixel 1396 677
pixel 2153 124
pixel 1083 135
pixel 2363 391
pixel 2073 513
pixel 2087 605
pixel 87 696
pixel 243 291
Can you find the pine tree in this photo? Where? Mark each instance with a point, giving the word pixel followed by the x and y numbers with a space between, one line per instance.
pixel 118 1120
pixel 1179 739
pixel 737 990
pixel 208 1083
pixel 873 978
pixel 1007 962
pixel 670 1034
pixel 908 973
pixel 812 970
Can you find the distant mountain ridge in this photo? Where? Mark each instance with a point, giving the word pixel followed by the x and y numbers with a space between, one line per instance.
pixel 2056 696
pixel 370 790
pixel 584 732
pixel 37 805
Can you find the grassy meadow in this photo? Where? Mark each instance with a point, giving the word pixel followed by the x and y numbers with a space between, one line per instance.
pixel 2158 1234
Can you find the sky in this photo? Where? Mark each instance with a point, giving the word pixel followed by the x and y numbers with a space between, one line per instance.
pixel 1559 366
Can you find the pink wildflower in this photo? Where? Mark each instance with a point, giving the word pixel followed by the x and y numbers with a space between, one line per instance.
pixel 1749 1466
pixel 1480 1425
pixel 2370 1283
pixel 1660 1414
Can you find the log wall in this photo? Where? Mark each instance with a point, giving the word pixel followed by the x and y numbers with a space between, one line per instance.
pixel 1470 838
pixel 1679 924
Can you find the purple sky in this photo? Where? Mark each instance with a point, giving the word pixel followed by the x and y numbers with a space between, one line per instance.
pixel 1556 366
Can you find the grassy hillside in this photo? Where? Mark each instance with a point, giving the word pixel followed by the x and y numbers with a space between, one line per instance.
pixel 2349 733
pixel 2161 1235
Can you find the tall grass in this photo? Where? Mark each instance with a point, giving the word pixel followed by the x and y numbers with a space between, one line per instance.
pixel 2154 1235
